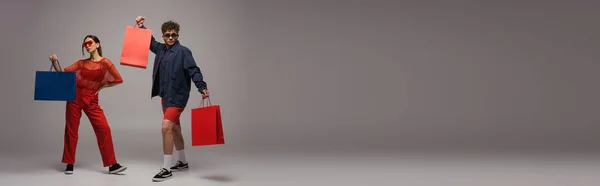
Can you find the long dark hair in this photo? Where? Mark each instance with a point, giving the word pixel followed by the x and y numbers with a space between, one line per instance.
pixel 93 37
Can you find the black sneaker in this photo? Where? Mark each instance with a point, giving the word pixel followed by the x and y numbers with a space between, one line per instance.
pixel 180 166
pixel 69 169
pixel 116 168
pixel 163 175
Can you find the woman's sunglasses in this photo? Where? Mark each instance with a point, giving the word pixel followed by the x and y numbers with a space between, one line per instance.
pixel 87 44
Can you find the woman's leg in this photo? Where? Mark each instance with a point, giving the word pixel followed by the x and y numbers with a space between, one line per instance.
pixel 102 131
pixel 73 116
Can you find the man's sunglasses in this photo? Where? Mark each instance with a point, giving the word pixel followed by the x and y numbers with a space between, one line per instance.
pixel 169 35
pixel 87 44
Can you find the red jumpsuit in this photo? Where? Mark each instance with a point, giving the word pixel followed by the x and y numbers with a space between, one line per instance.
pixel 91 76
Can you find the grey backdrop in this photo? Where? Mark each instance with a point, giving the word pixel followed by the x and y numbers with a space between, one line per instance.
pixel 323 76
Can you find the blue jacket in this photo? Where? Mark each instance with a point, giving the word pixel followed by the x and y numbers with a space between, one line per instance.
pixel 180 73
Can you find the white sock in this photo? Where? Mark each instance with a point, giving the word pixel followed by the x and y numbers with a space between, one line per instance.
pixel 167 161
pixel 181 156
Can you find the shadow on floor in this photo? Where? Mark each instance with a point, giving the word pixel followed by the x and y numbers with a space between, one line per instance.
pixel 219 178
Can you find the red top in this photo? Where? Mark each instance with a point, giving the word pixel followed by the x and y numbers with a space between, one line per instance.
pixel 94 75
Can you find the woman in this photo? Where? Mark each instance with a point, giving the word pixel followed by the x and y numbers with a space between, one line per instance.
pixel 93 74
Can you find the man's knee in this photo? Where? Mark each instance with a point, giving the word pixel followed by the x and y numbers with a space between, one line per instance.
pixel 167 126
pixel 176 130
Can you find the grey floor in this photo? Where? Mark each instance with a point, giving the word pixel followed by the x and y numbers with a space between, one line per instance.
pixel 348 169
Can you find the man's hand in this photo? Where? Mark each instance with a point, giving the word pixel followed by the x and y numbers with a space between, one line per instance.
pixel 205 94
pixel 140 20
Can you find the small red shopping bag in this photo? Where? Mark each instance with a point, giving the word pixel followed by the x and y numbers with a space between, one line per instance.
pixel 207 127
pixel 136 47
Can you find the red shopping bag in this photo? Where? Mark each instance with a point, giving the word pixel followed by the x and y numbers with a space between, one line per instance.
pixel 136 47
pixel 207 127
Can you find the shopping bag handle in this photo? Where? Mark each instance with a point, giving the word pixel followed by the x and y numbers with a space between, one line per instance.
pixel 52 65
pixel 135 25
pixel 202 103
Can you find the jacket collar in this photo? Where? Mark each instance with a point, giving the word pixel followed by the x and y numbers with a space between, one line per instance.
pixel 174 47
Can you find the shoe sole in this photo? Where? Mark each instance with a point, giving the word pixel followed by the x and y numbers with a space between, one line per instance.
pixel 68 172
pixel 118 170
pixel 161 179
pixel 179 169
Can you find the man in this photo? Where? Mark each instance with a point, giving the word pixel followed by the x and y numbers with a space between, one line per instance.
pixel 174 67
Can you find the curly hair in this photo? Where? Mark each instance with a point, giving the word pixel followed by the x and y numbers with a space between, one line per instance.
pixel 170 25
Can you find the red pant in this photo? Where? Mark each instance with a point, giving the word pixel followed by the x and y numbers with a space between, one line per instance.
pixel 87 101
pixel 172 113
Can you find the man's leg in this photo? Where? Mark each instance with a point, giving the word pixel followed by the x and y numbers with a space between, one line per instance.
pixel 179 146
pixel 178 137
pixel 171 116
pixel 167 134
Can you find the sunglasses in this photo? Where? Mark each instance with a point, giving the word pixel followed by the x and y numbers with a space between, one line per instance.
pixel 87 44
pixel 169 35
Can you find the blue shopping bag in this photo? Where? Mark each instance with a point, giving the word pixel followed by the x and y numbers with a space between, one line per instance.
pixel 54 86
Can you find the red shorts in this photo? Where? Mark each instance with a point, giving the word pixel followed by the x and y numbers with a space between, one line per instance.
pixel 172 113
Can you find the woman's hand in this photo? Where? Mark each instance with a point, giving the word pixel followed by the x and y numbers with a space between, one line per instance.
pixel 105 85
pixel 53 58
